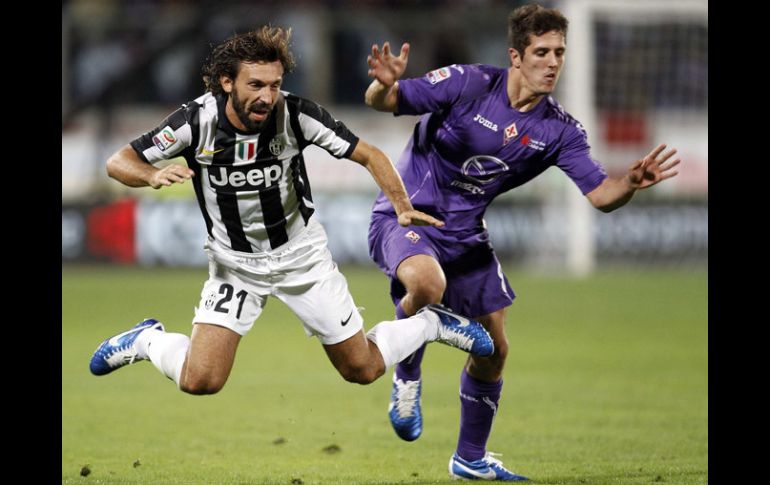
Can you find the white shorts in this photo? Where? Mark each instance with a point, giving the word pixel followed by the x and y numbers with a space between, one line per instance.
pixel 301 273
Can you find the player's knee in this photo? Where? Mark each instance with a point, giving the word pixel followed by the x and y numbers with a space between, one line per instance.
pixel 491 367
pixel 425 284
pixel 496 362
pixel 201 385
pixel 500 354
pixel 430 290
pixel 359 373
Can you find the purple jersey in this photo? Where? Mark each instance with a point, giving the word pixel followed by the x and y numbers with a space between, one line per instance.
pixel 471 145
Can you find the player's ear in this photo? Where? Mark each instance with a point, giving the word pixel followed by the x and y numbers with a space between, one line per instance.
pixel 513 54
pixel 227 83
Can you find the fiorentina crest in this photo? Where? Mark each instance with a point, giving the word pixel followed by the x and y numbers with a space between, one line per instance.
pixel 412 236
pixel 509 133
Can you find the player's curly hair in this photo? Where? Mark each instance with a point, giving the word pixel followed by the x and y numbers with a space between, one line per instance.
pixel 267 44
pixel 533 19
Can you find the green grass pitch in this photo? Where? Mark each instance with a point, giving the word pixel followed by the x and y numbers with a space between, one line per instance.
pixel 606 383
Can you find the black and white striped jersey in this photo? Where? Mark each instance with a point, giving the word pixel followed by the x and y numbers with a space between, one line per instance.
pixel 252 189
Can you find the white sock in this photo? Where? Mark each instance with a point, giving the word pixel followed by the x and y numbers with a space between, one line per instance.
pixel 166 351
pixel 398 339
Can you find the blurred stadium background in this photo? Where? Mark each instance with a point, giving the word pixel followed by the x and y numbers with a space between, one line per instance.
pixel 636 75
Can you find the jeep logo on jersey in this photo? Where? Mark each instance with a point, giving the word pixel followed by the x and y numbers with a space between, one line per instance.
pixel 243 179
pixel 483 169
pixel 276 146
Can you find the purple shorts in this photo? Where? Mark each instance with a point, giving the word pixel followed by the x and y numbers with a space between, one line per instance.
pixel 476 285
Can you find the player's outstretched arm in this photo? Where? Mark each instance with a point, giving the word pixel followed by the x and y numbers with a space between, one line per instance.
pixel 386 69
pixel 383 172
pixel 126 167
pixel 650 170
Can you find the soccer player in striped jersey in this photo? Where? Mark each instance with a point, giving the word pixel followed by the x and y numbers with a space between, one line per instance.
pixel 243 142
pixel 484 130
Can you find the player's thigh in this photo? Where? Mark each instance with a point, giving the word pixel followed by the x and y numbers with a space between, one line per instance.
pixel 352 353
pixel 229 304
pixel 321 299
pixel 405 253
pixel 212 352
pixel 421 272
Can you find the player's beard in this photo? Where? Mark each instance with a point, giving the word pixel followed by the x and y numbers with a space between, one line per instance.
pixel 239 106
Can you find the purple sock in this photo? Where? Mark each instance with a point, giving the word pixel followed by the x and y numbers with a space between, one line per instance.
pixel 478 406
pixel 409 368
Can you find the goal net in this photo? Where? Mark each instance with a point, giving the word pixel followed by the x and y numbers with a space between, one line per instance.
pixel 636 75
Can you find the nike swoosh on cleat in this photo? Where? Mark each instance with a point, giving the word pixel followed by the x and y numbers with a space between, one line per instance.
pixel 345 322
pixel 208 152
pixel 464 322
pixel 115 340
pixel 487 475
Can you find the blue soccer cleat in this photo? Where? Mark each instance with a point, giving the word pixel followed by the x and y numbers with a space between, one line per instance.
pixel 460 332
pixel 118 351
pixel 487 468
pixel 404 409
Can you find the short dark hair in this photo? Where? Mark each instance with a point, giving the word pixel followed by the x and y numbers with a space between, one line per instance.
pixel 267 44
pixel 533 19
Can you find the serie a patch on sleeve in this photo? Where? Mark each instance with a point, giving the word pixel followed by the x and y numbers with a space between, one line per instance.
pixel 438 75
pixel 164 139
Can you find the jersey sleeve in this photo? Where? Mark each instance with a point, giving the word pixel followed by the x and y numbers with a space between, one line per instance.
pixel 574 158
pixel 169 139
pixel 441 88
pixel 318 127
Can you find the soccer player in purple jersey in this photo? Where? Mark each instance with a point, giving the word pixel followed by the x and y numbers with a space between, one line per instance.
pixel 483 130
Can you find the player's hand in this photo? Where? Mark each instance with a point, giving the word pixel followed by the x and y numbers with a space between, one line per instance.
pixel 653 168
pixel 170 174
pixel 417 218
pixel 384 66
